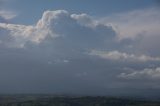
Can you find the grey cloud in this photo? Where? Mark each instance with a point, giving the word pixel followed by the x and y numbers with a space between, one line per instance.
pixel 136 23
pixel 2 19
pixel 140 28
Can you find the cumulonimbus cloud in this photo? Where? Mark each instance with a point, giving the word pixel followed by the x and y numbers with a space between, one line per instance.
pixel 59 24
pixel 54 49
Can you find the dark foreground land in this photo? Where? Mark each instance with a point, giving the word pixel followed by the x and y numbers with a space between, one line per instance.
pixel 39 100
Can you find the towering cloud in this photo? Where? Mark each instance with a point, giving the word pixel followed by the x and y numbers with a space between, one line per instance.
pixel 61 25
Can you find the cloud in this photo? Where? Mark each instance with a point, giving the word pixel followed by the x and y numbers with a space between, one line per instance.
pixel 148 73
pixel 121 56
pixel 62 25
pixel 18 34
pixel 2 19
pixel 139 28
pixel 136 23
pixel 7 15
pixel 47 56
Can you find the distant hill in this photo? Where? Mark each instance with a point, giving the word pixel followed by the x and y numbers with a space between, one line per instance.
pixel 44 100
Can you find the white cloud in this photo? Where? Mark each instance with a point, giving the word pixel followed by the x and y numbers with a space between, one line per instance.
pixel 121 56
pixel 21 34
pixel 7 15
pixel 84 19
pixel 62 24
pixel 148 73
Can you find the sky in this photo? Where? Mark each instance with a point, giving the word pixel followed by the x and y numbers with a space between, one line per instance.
pixel 80 47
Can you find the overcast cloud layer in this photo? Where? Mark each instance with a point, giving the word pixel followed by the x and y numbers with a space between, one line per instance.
pixel 77 54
